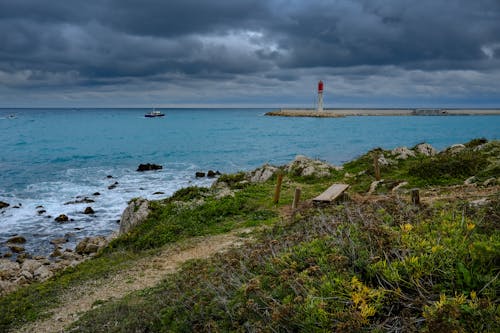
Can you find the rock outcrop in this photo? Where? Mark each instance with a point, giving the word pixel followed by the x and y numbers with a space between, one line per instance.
pixel 88 210
pixel 303 166
pixel 79 201
pixel 3 205
pixel 91 245
pixel 262 174
pixel 135 213
pixel 425 149
pixel 149 167
pixel 17 240
pixel 61 218
pixel 454 149
pixel 402 153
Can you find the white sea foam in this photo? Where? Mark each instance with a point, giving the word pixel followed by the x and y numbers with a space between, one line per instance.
pixel 41 202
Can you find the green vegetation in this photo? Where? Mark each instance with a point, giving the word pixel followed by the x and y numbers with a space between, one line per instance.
pixel 446 168
pixel 31 302
pixel 381 265
pixel 384 266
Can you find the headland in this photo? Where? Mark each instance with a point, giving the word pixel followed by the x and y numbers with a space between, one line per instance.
pixel 333 113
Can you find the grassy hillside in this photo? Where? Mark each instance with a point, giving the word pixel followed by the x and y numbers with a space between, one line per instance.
pixel 374 263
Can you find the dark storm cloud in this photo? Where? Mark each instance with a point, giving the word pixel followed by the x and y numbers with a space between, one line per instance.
pixel 85 43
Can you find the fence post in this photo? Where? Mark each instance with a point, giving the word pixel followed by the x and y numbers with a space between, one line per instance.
pixel 415 196
pixel 278 188
pixel 296 198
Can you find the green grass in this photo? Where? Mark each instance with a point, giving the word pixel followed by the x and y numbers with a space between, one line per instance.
pixel 32 302
pixel 341 268
pixel 372 267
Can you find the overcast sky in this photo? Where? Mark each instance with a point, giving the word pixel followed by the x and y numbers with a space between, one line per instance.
pixel 255 53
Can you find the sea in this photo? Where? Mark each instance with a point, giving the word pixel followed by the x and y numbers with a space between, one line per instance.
pixel 51 157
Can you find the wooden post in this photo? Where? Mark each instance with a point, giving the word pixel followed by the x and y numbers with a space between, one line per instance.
pixel 278 188
pixel 415 196
pixel 376 167
pixel 296 198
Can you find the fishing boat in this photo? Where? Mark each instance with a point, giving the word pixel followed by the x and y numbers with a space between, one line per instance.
pixel 154 114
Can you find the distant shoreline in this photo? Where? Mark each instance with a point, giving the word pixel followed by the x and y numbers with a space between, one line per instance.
pixel 335 113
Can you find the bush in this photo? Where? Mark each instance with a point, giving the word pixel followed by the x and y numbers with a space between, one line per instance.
pixel 445 168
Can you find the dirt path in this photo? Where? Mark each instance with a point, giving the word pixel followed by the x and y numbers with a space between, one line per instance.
pixel 146 272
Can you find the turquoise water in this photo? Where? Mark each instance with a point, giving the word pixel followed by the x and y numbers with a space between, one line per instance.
pixel 51 156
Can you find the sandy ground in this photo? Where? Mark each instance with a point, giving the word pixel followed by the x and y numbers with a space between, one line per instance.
pixel 331 113
pixel 147 272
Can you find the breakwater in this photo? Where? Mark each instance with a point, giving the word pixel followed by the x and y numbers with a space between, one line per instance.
pixel 335 113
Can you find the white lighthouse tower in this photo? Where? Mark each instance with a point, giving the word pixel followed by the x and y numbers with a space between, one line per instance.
pixel 320 96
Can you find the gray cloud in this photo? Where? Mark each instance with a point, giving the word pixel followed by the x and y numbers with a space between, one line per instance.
pixel 80 47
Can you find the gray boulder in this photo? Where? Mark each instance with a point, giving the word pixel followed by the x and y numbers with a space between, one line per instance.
pixel 454 149
pixel 31 265
pixel 425 149
pixel 136 212
pixel 303 166
pixel 262 174
pixel 42 273
pixel 402 153
pixel 91 245
pixel 8 269
pixel 16 240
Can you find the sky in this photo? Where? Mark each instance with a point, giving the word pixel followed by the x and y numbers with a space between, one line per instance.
pixel 249 53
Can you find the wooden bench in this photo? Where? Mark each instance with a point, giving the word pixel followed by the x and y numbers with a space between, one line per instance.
pixel 331 194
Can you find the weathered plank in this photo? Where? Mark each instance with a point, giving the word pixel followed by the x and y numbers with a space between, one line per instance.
pixel 332 193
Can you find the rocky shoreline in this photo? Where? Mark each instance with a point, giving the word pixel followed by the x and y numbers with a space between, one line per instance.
pixel 26 269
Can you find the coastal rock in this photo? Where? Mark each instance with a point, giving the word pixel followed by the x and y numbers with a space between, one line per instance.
pixel 470 180
pixel 42 273
pixel 41 212
pixel 199 174
pixel 58 241
pixel 374 185
pixel 96 193
pixel 3 205
pixel 403 153
pixel 6 287
pixel 56 253
pixel 16 240
pixel 16 248
pixel 490 182
pixel 262 174
pixel 113 186
pixel 27 275
pixel 149 167
pixel 398 187
pixel 90 245
pixel 303 166
pixel 221 190
pixel 31 265
pixel 8 269
pixel 425 149
pixel 384 161
pixel 79 201
pixel 158 193
pixel 454 149
pixel 88 210
pixel 135 213
pixel 61 218
pixel 212 174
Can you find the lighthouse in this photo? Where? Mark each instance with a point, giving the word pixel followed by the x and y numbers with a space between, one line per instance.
pixel 320 96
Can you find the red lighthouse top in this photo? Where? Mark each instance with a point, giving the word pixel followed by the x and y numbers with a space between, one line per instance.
pixel 320 86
